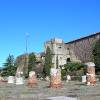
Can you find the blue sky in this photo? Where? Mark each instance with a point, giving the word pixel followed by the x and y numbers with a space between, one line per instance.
pixel 43 20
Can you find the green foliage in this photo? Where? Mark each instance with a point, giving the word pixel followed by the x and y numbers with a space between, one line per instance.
pixel 74 68
pixel 96 53
pixel 9 61
pixel 31 62
pixel 48 62
pixel 63 73
pixel 57 62
pixel 9 66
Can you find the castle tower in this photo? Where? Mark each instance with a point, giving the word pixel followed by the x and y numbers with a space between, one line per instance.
pixel 59 52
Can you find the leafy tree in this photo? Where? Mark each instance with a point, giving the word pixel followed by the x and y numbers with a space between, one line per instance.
pixel 9 66
pixel 31 62
pixel 48 62
pixel 96 53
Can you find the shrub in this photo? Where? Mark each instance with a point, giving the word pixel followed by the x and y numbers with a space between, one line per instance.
pixel 74 68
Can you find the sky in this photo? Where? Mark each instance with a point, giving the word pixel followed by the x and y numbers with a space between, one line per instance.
pixel 37 21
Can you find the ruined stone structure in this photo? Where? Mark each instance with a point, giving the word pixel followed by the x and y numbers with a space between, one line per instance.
pixel 55 78
pixel 91 79
pixel 22 63
pixel 79 50
pixel 32 80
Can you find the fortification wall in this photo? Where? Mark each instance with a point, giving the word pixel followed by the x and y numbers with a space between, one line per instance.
pixel 82 48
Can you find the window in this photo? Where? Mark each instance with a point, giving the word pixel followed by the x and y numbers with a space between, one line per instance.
pixel 68 60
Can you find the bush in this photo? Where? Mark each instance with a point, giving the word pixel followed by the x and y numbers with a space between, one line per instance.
pixel 63 74
pixel 74 68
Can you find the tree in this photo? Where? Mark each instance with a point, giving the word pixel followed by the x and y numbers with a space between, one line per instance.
pixel 31 62
pixel 9 66
pixel 9 61
pixel 57 63
pixel 96 53
pixel 48 62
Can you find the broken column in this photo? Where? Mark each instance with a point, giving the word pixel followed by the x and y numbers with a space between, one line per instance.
pixel 91 80
pixel 32 81
pixel 55 79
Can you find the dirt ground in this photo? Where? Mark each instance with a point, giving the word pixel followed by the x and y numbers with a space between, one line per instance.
pixel 73 89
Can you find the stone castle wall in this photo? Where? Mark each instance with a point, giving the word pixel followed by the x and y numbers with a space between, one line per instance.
pixel 82 48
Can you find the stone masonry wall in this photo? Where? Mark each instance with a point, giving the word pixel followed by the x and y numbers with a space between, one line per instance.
pixel 82 48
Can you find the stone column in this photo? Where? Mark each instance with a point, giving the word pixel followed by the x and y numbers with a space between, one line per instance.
pixel 32 81
pixel 91 80
pixel 55 79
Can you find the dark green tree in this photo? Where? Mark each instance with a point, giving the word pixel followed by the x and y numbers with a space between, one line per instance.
pixel 57 66
pixel 31 62
pixel 48 62
pixel 9 66
pixel 9 61
pixel 96 53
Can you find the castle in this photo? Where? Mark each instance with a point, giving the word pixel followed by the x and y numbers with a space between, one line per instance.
pixel 79 50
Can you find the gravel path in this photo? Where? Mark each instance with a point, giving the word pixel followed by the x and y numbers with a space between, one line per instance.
pixel 42 92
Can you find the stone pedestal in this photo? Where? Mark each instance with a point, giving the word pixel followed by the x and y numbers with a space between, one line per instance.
pixel 84 79
pixel 91 80
pixel 19 81
pixel 55 79
pixel 11 79
pixel 68 78
pixel 19 78
pixel 32 81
